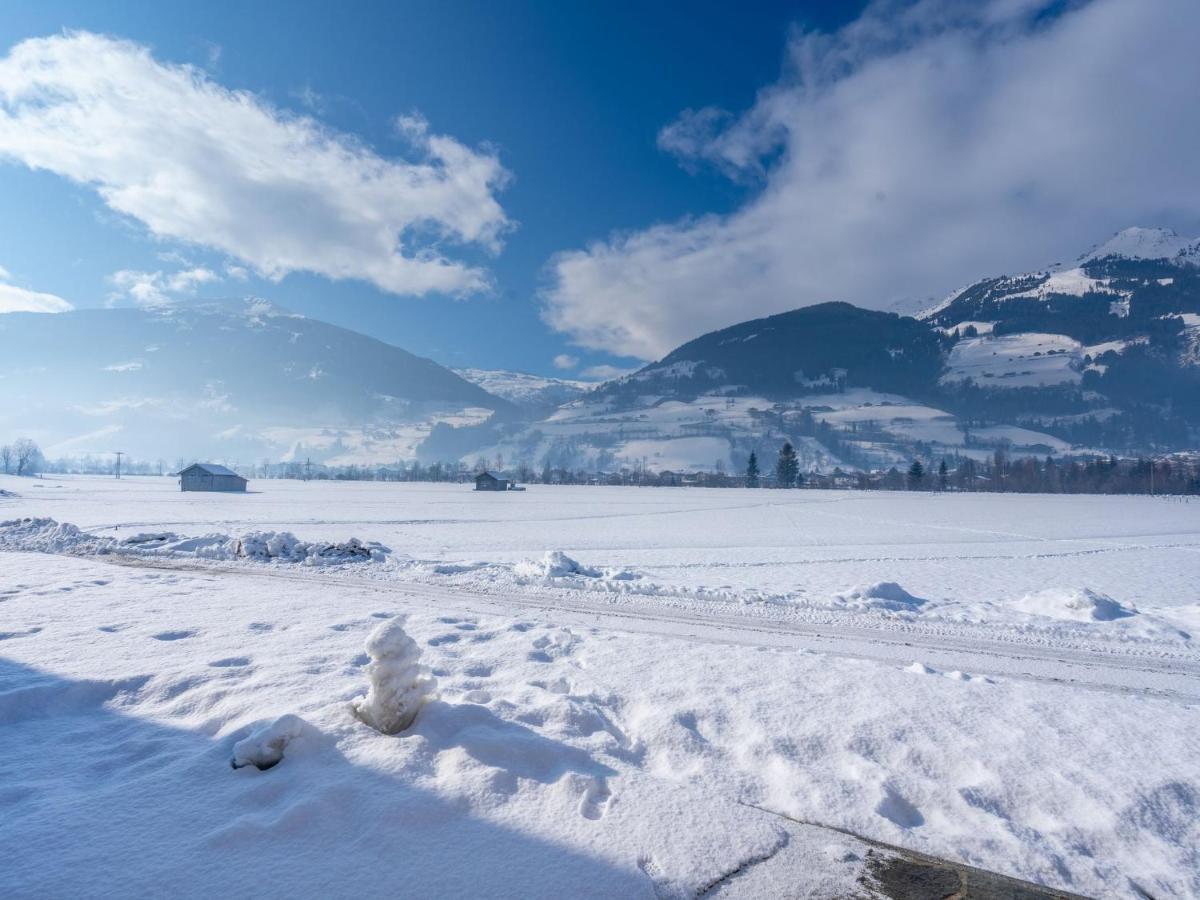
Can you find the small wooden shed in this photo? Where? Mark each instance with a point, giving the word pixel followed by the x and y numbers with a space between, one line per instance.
pixel 210 477
pixel 486 481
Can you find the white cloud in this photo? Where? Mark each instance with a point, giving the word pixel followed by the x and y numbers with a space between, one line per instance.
pixel 606 372
pixel 197 162
pixel 920 148
pixel 565 361
pixel 159 288
pixel 19 299
pixel 16 299
pixel 187 280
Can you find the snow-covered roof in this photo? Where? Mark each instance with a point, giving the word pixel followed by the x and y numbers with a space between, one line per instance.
pixel 211 469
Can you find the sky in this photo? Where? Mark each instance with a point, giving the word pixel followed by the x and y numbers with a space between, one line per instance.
pixel 572 189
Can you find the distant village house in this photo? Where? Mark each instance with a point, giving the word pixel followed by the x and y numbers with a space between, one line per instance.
pixel 210 477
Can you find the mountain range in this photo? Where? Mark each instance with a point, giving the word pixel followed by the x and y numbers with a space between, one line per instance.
pixel 236 380
pixel 1098 355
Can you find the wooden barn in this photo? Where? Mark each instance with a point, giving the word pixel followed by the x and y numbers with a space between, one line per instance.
pixel 486 481
pixel 210 477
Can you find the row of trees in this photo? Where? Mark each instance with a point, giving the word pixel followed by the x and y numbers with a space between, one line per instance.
pixel 1173 475
pixel 21 457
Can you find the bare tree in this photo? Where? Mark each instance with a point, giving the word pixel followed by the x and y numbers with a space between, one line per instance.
pixel 27 455
pixel 6 458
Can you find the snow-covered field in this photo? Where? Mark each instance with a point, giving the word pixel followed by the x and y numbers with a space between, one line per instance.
pixel 641 692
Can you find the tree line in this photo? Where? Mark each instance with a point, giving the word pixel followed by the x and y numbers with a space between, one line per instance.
pixel 999 472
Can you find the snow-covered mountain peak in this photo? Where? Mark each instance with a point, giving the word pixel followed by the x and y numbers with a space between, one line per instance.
pixel 1146 243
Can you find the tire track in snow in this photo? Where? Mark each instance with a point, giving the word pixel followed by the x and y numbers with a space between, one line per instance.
pixel 1117 670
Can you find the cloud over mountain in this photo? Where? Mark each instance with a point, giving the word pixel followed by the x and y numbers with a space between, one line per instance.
pixel 18 299
pixel 903 155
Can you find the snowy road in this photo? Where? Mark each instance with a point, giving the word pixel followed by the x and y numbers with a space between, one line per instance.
pixel 1158 671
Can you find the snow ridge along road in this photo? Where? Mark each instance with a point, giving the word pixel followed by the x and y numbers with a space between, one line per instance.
pixel 1162 672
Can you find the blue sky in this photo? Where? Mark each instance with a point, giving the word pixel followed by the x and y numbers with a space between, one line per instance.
pixel 589 182
pixel 571 95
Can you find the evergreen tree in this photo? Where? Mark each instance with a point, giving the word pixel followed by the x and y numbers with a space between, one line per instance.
pixel 788 467
pixel 916 475
pixel 752 470
pixel 943 475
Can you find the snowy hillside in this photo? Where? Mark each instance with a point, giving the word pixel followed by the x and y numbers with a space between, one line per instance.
pixel 236 380
pixel 530 392
pixel 1096 356
pixel 1101 355
pixel 1147 243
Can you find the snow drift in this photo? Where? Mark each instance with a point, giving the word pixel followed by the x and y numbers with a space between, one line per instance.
pixel 1078 604
pixel 264 748
pixel 44 535
pixel 881 595
pixel 556 564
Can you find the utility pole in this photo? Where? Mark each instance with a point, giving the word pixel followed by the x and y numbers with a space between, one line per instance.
pixel 119 453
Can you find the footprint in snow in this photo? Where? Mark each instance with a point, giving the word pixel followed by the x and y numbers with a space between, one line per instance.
pixel 230 662
pixel 661 884
pixel 898 809
pixel 451 638
pixel 595 799
pixel 173 635
pixel 6 635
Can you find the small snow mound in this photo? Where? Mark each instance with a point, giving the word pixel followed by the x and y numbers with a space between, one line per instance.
pixel 264 748
pixel 400 685
pixel 1078 604
pixel 881 595
pixel 556 564
pixel 919 668
pixel 285 546
pixel 4 493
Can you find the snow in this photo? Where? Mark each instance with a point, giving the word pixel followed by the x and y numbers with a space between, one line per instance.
pixel 1080 604
pixel 556 564
pixel 645 737
pixel 1015 360
pixel 400 685
pixel 881 595
pixel 48 536
pixel 264 748
pixel 1147 243
pixel 1073 282
pixel 696 434
pixel 674 454
pixel 525 389
pixel 980 327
